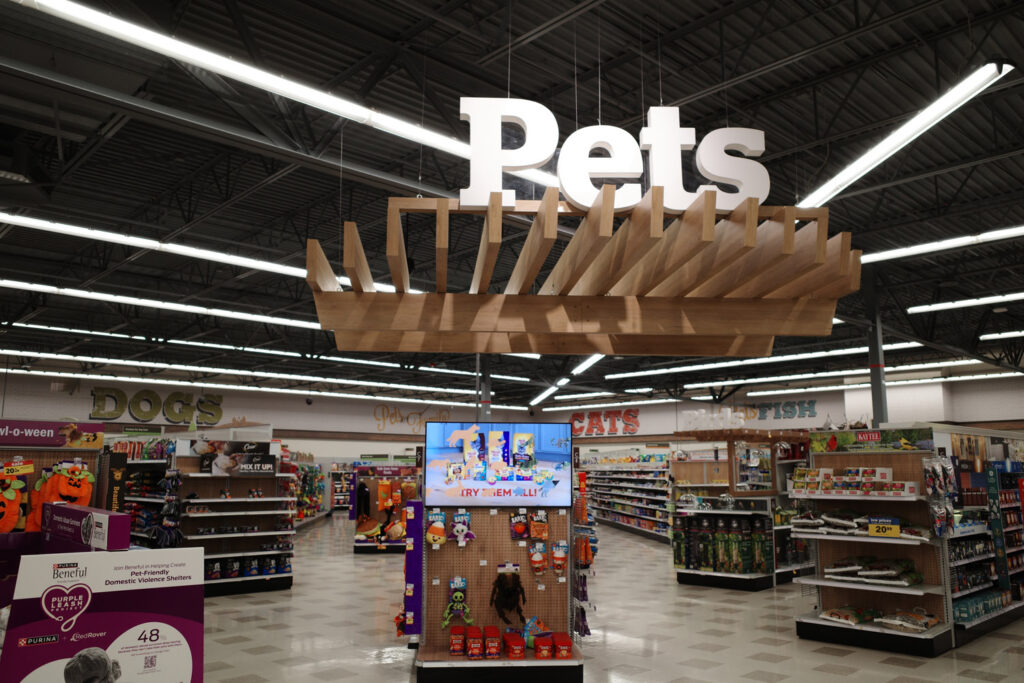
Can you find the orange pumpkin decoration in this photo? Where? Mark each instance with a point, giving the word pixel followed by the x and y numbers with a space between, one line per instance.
pixel 74 485
pixel 10 503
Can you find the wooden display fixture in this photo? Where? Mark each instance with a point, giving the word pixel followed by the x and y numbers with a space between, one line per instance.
pixel 547 597
pixel 701 283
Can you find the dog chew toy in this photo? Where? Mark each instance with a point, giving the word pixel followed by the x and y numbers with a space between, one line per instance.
pixel 507 595
pixel 384 501
pixel 539 525
pixel 518 526
pixel 45 492
pixel 559 556
pixel 10 502
pixel 74 485
pixel 460 529
pixel 457 606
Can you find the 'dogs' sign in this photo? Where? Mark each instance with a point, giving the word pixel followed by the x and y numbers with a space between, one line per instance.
pixel 662 138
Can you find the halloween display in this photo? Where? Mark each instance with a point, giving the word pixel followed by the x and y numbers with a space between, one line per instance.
pixel 457 605
pixel 10 502
pixel 460 529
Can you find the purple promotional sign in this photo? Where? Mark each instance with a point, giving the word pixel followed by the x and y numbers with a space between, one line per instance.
pixel 36 434
pixel 414 530
pixel 85 616
pixel 79 528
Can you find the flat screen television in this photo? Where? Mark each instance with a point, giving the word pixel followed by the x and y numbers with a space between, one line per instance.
pixel 498 464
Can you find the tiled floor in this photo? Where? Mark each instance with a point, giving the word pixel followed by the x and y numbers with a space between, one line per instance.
pixel 336 625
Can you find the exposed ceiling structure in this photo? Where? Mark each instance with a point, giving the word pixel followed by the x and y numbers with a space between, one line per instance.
pixel 101 134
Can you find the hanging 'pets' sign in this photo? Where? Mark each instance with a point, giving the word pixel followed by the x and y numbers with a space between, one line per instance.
pixel 105 616
pixel 662 138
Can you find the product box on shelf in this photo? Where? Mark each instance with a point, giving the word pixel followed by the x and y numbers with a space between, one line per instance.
pixel 492 642
pixel 82 528
pixel 515 646
pixel 457 640
pixel 474 643
pixel 543 647
pixel 563 645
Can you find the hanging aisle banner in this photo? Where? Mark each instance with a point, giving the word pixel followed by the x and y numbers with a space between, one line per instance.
pixel 105 616
pixel 37 434
pixel 235 458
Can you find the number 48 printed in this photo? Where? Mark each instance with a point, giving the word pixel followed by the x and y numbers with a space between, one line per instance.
pixel 150 636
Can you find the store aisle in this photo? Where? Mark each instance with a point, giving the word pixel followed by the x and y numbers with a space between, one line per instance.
pixel 336 624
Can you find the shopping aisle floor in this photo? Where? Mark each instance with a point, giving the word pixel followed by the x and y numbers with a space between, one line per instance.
pixel 336 625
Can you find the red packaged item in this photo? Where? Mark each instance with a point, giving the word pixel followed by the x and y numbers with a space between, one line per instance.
pixel 492 642
pixel 457 641
pixel 563 645
pixel 474 643
pixel 542 647
pixel 515 646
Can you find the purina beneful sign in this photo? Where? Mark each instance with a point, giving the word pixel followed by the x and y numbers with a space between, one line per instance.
pixel 662 138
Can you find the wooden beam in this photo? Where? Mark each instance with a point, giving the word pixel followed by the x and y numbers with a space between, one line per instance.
pixel 398 263
pixel 684 238
pixel 734 236
pixel 355 311
pixel 490 242
pixel 592 234
pixel 319 275
pixel 637 235
pixel 776 239
pixel 811 245
pixel 539 240
pixel 835 268
pixel 354 260
pixel 553 344
pixel 441 246
pixel 842 286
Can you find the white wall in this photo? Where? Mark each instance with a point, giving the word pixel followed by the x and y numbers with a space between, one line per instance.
pixel 327 451
pixel 997 399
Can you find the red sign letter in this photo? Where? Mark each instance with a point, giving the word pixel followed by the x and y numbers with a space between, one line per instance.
pixel 631 421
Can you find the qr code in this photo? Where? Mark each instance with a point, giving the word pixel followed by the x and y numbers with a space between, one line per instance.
pixel 150 662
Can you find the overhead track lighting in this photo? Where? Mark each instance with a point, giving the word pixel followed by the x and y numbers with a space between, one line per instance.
pixel 1002 335
pixel 944 245
pixel 619 404
pixel 580 397
pixel 811 355
pixel 243 387
pixel 258 78
pixel 952 100
pixel 543 395
pixel 915 367
pixel 899 382
pixel 587 364
pixel 967 303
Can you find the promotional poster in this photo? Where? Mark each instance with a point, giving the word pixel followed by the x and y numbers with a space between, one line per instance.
pixel 235 458
pixel 36 434
pixel 491 464
pixel 99 616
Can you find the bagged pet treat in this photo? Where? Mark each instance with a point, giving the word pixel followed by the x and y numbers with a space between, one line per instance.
pixel 909 578
pixel 849 565
pixel 518 524
pixel 915 532
pixel 539 525
pixel 887 568
pixel 849 615
pixel 917 621
pixel 559 556
pixel 842 518
pixel 460 529
pixel 808 519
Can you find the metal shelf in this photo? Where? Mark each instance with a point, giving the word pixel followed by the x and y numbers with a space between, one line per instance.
pixel 1005 506
pixel 794 567
pixel 1014 550
pixel 929 634
pixel 636 505
pixel 991 615
pixel 829 496
pixel 860 539
pixel 201 537
pixel 1015 527
pixel 726 574
pixel 982 587
pixel 722 512
pixel 968 534
pixel 663 489
pixel 137 461
pixel 702 486
pixel 187 501
pixel 208 475
pixel 969 560
pixel 782 527
pixel 258 553
pixel 920 589
pixel 631 514
pixel 247 578
pixel 144 499
pixel 239 514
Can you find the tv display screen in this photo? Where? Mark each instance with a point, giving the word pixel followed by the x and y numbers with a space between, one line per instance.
pixel 491 464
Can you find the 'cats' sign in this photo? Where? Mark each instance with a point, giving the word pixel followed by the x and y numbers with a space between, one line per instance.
pixel 609 422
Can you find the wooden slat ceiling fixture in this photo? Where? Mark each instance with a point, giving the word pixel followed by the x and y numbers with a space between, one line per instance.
pixel 700 283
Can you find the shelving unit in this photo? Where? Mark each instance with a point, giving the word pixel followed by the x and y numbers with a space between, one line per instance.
pixel 627 496
pixel 407 479
pixel 340 485
pixel 709 532
pixel 836 451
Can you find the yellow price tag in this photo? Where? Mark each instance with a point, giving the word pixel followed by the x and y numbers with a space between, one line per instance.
pixel 18 470
pixel 885 527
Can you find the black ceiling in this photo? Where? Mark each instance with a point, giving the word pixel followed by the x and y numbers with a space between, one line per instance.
pixel 119 138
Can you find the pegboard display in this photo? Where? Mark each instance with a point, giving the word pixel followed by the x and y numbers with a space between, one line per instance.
pixel 547 594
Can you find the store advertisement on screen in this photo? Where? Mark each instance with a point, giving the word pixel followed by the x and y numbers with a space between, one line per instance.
pixel 722 157
pixel 489 464
pixel 107 616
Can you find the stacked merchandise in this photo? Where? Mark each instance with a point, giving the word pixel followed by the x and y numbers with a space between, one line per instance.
pixel 631 495
pixel 341 479
pixel 310 485
pixel 844 522
pixel 585 548
pixel 154 503
pixel 378 506
pixel 147 449
pixel 26 484
pixel 725 545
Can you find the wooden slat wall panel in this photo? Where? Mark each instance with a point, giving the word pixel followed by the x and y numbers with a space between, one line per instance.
pixel 538 245
pixel 398 263
pixel 319 275
pixel 441 246
pixel 490 243
pixel 354 260
pixel 592 234
pixel 809 252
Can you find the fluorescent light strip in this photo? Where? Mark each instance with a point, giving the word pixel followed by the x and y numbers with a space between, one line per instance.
pixel 164 305
pixel 179 367
pixel 210 345
pixel 587 364
pixel 639 390
pixel 967 303
pixel 531 356
pixel 264 80
pixel 943 245
pixel 899 346
pixel 169 248
pixel 543 395
pixel 1002 335
pixel 621 404
pixel 242 387
pixel 834 373
pixel 952 100
pixel 467 373
pixel 899 382
pixel 591 394
pixel 562 382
